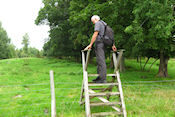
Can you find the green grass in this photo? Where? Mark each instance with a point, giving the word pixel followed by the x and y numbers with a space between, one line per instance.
pixel 25 89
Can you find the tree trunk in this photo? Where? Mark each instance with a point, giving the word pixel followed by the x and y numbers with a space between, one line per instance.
pixel 152 65
pixel 163 70
pixel 137 59
pixel 145 63
pixel 122 64
pixel 140 62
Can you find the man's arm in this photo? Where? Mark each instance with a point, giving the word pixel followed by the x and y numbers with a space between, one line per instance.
pixel 92 40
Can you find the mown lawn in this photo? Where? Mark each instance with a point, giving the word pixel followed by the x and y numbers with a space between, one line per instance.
pixel 25 88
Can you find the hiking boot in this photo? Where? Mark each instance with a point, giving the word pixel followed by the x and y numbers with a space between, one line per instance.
pixel 96 79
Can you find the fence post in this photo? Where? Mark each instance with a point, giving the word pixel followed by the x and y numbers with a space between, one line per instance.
pixel 52 87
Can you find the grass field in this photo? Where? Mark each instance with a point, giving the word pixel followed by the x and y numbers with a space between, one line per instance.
pixel 25 88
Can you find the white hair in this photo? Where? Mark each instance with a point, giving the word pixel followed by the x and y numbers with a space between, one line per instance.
pixel 95 17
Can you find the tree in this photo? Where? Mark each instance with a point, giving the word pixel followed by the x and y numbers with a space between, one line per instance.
pixel 117 14
pixel 12 51
pixel 151 31
pixel 56 15
pixel 33 52
pixel 25 43
pixel 144 28
pixel 6 48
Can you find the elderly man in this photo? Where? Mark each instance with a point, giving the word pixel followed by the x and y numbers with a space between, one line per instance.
pixel 99 30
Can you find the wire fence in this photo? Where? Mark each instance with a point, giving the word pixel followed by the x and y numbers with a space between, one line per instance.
pixel 128 82
pixel 36 101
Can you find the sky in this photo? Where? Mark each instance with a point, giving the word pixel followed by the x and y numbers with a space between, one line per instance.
pixel 18 17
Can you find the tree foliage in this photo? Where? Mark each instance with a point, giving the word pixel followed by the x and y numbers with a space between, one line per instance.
pixel 152 31
pixel 142 27
pixel 7 50
pixel 27 51
pixel 25 43
pixel 56 15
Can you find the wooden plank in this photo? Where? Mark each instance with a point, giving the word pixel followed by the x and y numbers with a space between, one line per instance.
pixel 92 103
pixel 82 87
pixel 87 59
pixel 82 91
pixel 85 50
pixel 86 95
pixel 104 94
pixel 117 60
pixel 82 102
pixel 85 82
pixel 98 88
pixel 53 102
pixel 121 94
pixel 106 114
pixel 114 60
pixel 102 84
pixel 95 75
pixel 104 89
pixel 105 100
pixel 106 104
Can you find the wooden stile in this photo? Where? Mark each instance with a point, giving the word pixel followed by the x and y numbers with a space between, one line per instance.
pixel 88 90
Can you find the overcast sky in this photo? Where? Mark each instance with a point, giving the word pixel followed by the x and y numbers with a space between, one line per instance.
pixel 18 17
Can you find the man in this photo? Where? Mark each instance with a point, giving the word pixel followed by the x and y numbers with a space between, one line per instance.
pixel 99 30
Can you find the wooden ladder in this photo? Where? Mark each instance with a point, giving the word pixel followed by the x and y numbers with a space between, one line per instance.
pixel 91 90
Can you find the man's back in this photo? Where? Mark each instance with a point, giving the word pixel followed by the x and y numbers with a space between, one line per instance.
pixel 99 26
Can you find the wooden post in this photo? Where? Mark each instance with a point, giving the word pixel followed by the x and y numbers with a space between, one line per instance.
pixel 82 91
pixel 122 64
pixel 117 60
pixel 121 94
pixel 116 64
pixel 87 59
pixel 85 82
pixel 53 103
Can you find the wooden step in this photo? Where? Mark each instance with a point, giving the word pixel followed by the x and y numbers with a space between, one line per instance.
pixel 102 84
pixel 91 75
pixel 98 88
pixel 105 104
pixel 106 114
pixel 103 94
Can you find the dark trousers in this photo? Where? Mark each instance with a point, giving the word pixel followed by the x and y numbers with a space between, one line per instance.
pixel 100 58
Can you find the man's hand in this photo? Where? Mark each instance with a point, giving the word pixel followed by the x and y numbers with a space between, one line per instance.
pixel 88 47
pixel 114 48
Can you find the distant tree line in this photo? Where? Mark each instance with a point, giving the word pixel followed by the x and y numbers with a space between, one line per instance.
pixel 28 51
pixel 8 50
pixel 144 28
